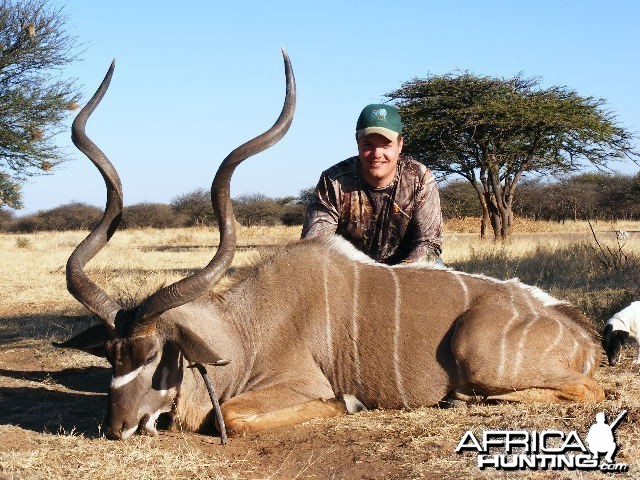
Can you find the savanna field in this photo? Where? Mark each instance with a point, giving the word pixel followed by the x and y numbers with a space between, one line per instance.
pixel 52 401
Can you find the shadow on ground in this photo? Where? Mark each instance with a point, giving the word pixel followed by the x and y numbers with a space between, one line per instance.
pixel 43 409
pixel 42 327
pixel 84 380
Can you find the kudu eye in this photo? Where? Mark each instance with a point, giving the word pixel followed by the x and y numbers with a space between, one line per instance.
pixel 151 359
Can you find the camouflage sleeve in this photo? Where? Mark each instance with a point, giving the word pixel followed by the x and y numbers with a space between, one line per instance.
pixel 322 213
pixel 427 222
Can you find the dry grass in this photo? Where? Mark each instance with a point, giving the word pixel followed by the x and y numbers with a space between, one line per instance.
pixel 72 456
pixel 523 225
pixel 50 410
pixel 133 264
pixel 566 265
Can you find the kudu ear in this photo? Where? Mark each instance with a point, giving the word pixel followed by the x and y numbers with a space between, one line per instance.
pixel 91 340
pixel 194 348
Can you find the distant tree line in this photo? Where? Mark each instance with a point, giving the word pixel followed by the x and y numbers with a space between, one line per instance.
pixel 587 196
pixel 579 197
pixel 191 209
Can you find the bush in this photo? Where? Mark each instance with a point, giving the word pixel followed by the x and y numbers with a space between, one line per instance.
pixel 195 207
pixel 6 217
pixel 293 215
pixel 73 216
pixel 23 242
pixel 458 199
pixel 258 209
pixel 154 215
pixel 27 224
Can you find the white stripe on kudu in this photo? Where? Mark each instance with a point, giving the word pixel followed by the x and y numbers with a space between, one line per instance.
pixel 396 340
pixel 355 328
pixel 556 340
pixel 525 331
pixel 327 312
pixel 574 350
pixel 122 380
pixel 588 364
pixel 505 331
pixel 465 289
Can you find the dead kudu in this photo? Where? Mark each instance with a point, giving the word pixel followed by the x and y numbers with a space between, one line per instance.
pixel 318 329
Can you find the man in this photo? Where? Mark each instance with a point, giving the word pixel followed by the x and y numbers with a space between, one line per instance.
pixel 386 206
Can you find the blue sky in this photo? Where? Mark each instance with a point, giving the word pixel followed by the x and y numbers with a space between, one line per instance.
pixel 194 79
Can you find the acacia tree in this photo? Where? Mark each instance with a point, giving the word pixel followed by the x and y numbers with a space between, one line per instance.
pixel 10 194
pixel 491 131
pixel 33 99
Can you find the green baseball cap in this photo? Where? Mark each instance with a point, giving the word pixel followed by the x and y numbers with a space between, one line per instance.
pixel 379 118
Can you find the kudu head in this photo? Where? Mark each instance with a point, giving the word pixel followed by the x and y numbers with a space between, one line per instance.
pixel 146 351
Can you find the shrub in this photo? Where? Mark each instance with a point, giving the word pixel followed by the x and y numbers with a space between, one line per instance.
pixel 6 217
pixel 22 242
pixel 26 224
pixel 258 209
pixel 154 215
pixel 195 207
pixel 73 216
pixel 458 199
pixel 293 215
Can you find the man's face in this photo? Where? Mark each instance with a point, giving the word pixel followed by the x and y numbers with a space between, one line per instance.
pixel 378 158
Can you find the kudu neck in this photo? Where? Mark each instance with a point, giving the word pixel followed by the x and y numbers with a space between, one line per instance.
pixel 225 332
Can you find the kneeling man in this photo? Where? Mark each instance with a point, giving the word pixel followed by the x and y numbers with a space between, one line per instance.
pixel 385 205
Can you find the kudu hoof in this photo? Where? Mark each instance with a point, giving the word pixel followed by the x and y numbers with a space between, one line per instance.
pixel 452 403
pixel 352 404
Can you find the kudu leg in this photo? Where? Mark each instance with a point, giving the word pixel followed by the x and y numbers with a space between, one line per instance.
pixel 579 388
pixel 264 409
pixel 536 357
pixel 582 390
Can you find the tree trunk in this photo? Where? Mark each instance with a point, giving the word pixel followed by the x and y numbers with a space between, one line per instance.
pixel 505 231
pixel 494 215
pixel 484 222
pixel 485 209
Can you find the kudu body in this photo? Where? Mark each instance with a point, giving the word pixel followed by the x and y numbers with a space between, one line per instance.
pixel 319 329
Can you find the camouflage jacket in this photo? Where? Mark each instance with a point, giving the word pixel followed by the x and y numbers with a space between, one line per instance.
pixel 401 222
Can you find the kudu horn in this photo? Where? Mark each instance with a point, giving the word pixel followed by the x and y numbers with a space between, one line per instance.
pixel 78 283
pixel 191 287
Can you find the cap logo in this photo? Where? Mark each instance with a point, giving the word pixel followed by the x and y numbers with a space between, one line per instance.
pixel 380 114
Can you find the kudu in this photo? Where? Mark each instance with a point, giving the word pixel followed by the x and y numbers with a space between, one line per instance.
pixel 318 329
